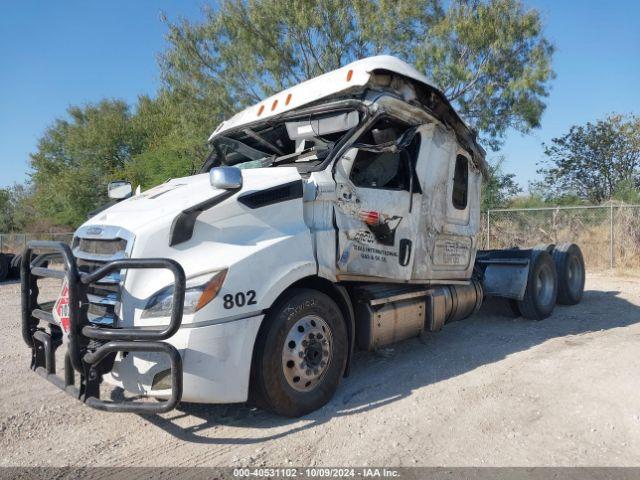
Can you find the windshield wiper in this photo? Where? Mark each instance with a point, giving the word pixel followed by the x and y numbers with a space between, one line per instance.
pixel 241 148
pixel 262 141
pixel 298 156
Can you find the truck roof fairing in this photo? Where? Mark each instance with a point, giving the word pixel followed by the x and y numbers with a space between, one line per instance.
pixel 356 76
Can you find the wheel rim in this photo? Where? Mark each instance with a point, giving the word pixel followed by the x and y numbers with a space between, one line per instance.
pixel 306 353
pixel 575 274
pixel 544 285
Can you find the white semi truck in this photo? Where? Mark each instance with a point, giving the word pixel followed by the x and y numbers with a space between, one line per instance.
pixel 340 214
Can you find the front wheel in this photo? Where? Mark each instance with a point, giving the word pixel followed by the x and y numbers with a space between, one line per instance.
pixel 300 354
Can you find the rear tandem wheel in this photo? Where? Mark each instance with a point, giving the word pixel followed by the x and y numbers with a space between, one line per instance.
pixel 542 287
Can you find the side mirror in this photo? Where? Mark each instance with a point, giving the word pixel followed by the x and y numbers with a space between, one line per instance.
pixel 225 178
pixel 119 190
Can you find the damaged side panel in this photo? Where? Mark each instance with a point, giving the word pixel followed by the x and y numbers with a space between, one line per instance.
pixel 446 236
pixel 377 210
pixel 419 229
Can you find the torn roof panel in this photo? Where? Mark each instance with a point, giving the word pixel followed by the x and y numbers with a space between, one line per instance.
pixel 355 74
pixel 352 76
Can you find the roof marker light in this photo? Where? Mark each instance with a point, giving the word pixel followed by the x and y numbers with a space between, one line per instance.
pixel 349 75
pixel 286 102
pixel 260 110
pixel 274 104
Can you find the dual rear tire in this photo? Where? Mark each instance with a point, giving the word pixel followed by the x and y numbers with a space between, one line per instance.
pixel 556 275
pixel 571 273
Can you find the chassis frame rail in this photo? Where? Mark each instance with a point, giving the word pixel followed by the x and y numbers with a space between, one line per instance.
pixel 91 349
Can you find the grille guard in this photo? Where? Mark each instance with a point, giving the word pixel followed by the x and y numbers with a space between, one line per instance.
pixel 87 353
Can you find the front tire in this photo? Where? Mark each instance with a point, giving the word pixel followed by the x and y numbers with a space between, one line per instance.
pixel 300 354
pixel 542 287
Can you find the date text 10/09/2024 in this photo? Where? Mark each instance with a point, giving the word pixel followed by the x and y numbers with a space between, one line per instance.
pixel 316 472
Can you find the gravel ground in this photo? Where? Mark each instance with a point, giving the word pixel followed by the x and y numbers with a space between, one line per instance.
pixel 491 390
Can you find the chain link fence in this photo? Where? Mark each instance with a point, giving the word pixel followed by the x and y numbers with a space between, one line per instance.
pixel 609 236
pixel 16 242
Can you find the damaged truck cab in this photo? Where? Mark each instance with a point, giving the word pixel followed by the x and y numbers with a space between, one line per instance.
pixel 340 214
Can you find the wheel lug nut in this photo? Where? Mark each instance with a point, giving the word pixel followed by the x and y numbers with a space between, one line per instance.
pixel 312 336
pixel 301 354
pixel 323 363
pixel 308 372
pixel 315 371
pixel 325 353
pixel 305 343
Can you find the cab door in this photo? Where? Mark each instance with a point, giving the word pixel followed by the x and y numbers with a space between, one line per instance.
pixel 378 206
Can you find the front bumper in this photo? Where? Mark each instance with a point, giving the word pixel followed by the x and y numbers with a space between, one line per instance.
pixel 216 363
pixel 91 349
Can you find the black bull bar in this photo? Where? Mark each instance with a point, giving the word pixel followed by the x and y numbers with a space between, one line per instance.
pixel 91 349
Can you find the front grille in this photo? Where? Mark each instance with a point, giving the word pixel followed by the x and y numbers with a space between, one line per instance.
pixel 102 247
pixel 103 297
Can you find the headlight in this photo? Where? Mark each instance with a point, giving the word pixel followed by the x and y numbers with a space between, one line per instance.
pixel 198 293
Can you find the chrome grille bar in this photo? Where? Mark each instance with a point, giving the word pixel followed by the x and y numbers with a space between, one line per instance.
pixel 92 252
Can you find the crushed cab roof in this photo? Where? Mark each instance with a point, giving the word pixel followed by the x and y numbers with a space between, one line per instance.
pixel 352 76
pixel 355 74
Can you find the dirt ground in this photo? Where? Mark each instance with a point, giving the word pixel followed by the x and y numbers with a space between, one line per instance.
pixel 491 390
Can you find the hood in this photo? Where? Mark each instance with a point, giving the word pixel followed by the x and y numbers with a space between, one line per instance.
pixel 164 202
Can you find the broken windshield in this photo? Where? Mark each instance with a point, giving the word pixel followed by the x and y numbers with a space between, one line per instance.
pixel 305 142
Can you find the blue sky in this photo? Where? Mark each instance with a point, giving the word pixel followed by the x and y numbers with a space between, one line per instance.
pixel 55 54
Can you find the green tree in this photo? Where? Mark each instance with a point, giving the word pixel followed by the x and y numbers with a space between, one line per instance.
pixel 17 212
pixel 491 58
pixel 6 212
pixel 498 188
pixel 77 156
pixel 594 161
pixel 175 145
pixel 627 191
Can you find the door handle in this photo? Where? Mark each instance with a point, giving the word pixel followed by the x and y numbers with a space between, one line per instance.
pixel 405 252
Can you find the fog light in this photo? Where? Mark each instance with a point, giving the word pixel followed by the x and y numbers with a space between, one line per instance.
pixel 162 380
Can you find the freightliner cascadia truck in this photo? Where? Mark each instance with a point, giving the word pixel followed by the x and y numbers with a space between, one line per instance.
pixel 341 214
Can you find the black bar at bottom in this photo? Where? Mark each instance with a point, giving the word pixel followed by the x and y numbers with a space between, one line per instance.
pixel 58 382
pixel 140 346
pixel 49 353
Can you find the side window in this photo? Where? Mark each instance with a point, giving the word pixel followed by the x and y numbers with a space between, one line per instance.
pixel 385 170
pixel 461 182
pixel 388 170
